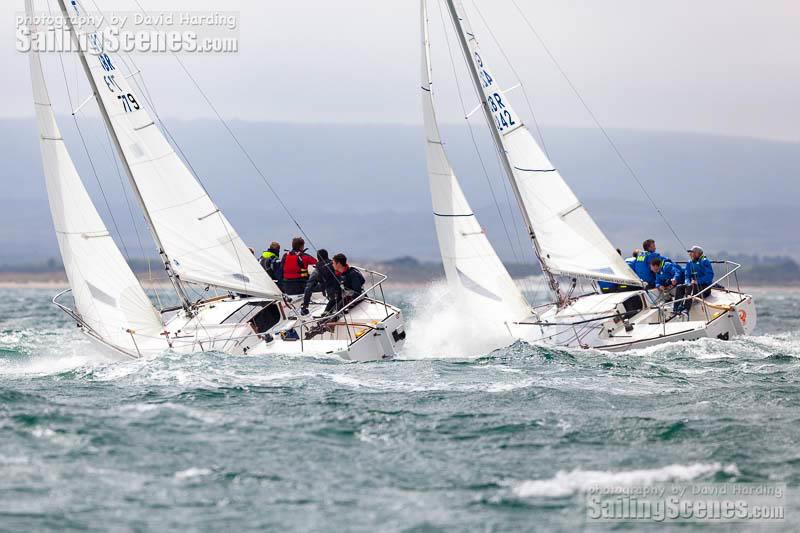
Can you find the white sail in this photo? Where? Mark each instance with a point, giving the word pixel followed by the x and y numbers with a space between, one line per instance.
pixel 107 295
pixel 470 262
pixel 569 241
pixel 200 243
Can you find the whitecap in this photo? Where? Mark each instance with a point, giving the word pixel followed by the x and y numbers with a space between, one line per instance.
pixel 565 483
pixel 191 473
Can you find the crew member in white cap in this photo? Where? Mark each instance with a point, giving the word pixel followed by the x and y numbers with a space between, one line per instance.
pixel 699 275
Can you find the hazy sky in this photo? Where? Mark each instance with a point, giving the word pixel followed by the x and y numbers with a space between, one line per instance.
pixel 722 66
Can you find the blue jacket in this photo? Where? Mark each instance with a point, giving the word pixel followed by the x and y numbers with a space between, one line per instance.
pixel 642 266
pixel 669 271
pixel 701 271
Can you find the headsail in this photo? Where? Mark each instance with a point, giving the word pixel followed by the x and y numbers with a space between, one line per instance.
pixel 107 295
pixel 200 243
pixel 568 241
pixel 470 262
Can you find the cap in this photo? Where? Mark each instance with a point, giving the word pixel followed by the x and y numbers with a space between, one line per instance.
pixel 696 248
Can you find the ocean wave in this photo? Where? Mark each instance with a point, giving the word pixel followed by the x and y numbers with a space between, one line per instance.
pixel 565 484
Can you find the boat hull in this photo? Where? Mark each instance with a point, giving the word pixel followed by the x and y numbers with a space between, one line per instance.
pixel 601 322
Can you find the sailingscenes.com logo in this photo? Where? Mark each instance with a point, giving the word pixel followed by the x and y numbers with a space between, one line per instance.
pixel 212 32
pixel 687 502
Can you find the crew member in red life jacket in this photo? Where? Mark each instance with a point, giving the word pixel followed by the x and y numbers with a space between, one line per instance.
pixel 294 267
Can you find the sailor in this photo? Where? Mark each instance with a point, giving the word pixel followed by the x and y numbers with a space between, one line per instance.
pixel 294 268
pixel 270 260
pixel 642 264
pixel 352 280
pixel 699 276
pixel 669 277
pixel 632 259
pixel 323 279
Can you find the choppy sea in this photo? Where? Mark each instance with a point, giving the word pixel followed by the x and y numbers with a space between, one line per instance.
pixel 454 436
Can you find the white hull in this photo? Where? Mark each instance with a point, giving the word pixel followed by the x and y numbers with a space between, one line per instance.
pixel 370 330
pixel 602 321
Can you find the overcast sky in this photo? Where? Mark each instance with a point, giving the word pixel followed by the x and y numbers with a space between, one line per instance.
pixel 721 66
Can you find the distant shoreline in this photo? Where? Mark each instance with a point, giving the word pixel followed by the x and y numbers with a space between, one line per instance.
pixel 58 281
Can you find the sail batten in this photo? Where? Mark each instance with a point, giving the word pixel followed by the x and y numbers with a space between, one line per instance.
pixel 108 297
pixel 195 245
pixel 566 238
pixel 471 265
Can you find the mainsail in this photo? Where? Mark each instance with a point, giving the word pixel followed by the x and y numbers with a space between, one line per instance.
pixel 470 262
pixel 107 295
pixel 198 242
pixel 567 240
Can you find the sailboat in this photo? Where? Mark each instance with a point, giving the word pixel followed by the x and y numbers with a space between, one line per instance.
pixel 569 246
pixel 199 248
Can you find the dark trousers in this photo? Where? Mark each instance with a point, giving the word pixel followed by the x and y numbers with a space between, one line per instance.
pixel 684 291
pixel 312 286
pixel 293 286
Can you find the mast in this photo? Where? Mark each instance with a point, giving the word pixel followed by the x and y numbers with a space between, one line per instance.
pixel 173 277
pixel 499 145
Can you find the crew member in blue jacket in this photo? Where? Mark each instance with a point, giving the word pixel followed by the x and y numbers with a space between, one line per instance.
pixel 642 264
pixel 669 276
pixel 699 276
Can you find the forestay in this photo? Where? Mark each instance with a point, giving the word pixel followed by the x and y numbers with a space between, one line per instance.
pixel 200 243
pixel 107 295
pixel 569 241
pixel 470 262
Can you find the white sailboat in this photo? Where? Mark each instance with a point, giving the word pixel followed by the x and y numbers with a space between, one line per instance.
pixel 567 242
pixel 197 244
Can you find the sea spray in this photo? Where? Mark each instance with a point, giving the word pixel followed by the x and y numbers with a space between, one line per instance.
pixel 448 325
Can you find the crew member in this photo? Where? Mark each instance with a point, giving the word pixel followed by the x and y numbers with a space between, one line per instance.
pixel 294 268
pixel 632 259
pixel 699 275
pixel 323 279
pixel 642 264
pixel 270 260
pixel 352 280
pixel 669 277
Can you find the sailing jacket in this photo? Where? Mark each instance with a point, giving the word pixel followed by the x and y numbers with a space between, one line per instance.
pixel 669 272
pixel 270 261
pixel 642 266
pixel 352 279
pixel 294 265
pixel 700 271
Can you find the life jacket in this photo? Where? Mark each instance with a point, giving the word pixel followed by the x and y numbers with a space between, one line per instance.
pixel 295 265
pixel 268 261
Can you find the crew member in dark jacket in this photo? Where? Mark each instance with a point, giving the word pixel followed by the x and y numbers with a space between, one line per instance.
pixel 294 268
pixel 352 280
pixel 271 259
pixel 323 279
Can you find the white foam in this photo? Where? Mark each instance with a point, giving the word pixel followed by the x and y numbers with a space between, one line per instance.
pixel 53 354
pixel 191 473
pixel 569 483
pixel 443 327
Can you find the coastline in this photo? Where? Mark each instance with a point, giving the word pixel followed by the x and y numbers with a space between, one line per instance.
pixel 58 281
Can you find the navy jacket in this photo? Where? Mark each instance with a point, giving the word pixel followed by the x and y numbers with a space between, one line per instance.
pixel 352 279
